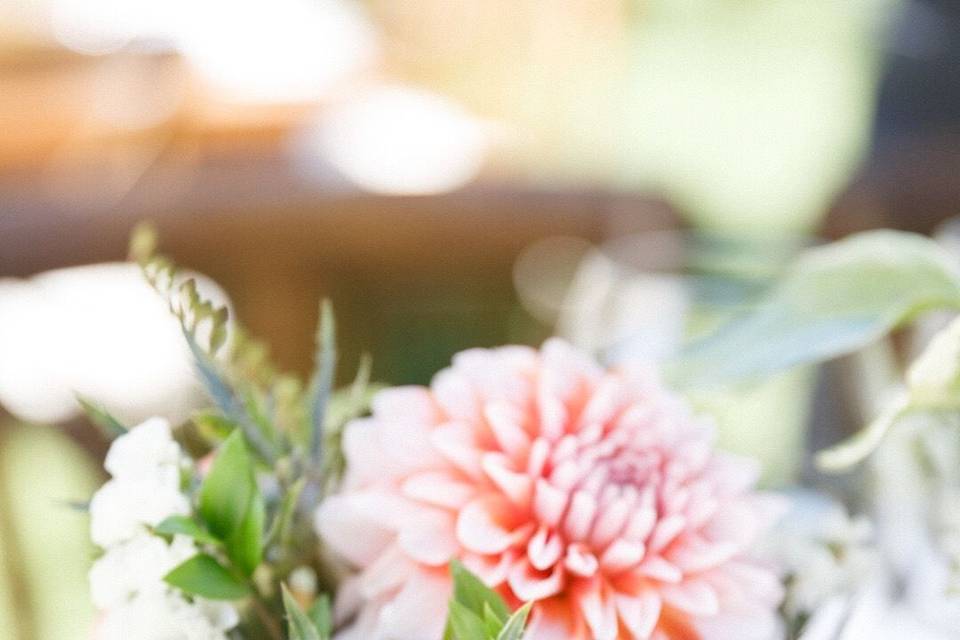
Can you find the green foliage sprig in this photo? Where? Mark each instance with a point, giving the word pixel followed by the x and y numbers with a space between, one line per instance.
pixel 476 612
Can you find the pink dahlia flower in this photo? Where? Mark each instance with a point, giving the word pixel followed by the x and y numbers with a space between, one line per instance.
pixel 595 493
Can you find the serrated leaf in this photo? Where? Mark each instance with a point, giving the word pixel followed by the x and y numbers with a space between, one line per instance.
pixel 834 300
pixel 321 614
pixel 469 591
pixel 321 385
pixel 182 525
pixel 227 491
pixel 100 417
pixel 203 576
pixel 299 625
pixel 245 546
pixel 513 629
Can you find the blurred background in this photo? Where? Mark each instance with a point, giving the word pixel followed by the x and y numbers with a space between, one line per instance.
pixel 452 173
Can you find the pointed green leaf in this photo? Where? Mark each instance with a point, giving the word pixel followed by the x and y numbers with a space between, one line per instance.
pixel 280 528
pixel 100 417
pixel 464 624
pixel 203 576
pixel 228 489
pixel 492 623
pixel 834 300
pixel 299 626
pixel 245 546
pixel 513 630
pixel 469 591
pixel 322 383
pixel 321 614
pixel 182 525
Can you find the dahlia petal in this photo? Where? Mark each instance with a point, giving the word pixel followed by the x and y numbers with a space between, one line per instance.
pixel 506 423
pixel 491 569
pixel 549 503
pixel 418 610
pixel 579 520
pixel 518 487
pixel 439 489
pixel 414 403
pixel 482 525
pixel 538 457
pixel 598 609
pixel 349 532
pixel 693 554
pixel 604 403
pixel 455 442
pixel 694 597
pixel 659 569
pixel 544 549
pixel 622 555
pixel 665 532
pixel 428 537
pixel 610 522
pixel 641 523
pixel 640 613
pixel 455 395
pixel 529 584
pixel 387 572
pixel 580 561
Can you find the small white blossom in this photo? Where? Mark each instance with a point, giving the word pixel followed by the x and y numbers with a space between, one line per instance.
pixel 167 616
pixel 147 452
pixel 121 510
pixel 127 582
pixel 135 567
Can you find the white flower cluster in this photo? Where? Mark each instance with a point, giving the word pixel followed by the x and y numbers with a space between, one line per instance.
pixel 825 553
pixel 126 583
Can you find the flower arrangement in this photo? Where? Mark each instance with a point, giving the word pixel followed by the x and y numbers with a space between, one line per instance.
pixel 525 493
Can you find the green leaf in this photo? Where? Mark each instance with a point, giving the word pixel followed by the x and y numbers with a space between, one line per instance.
pixel 321 384
pixel 227 491
pixel 245 546
pixel 299 626
pixel 513 630
pixel 464 624
pixel 100 417
pixel 226 398
pixel 321 614
pixel 203 576
pixel 492 623
pixel 182 525
pixel 280 528
pixel 834 300
pixel 469 591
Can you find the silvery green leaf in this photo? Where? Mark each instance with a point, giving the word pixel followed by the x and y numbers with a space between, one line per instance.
pixel 834 300
pixel 321 385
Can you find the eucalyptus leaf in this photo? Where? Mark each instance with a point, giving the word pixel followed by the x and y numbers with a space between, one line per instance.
pixel 299 625
pixel 834 300
pixel 203 576
pixel 226 398
pixel 321 385
pixel 228 489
